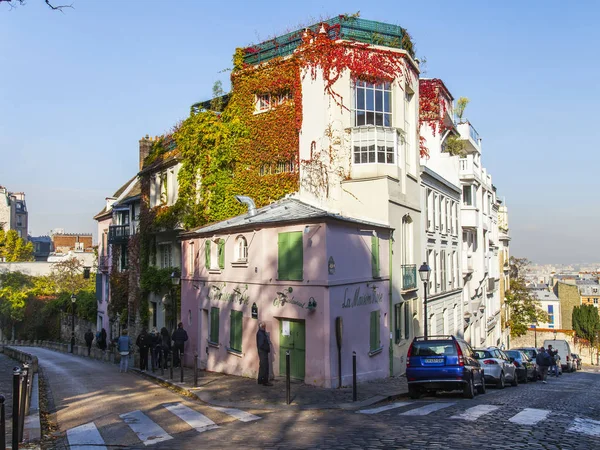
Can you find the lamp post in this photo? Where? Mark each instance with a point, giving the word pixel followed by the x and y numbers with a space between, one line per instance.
pixel 555 333
pixel 73 300
pixel 535 334
pixel 424 272
pixel 175 278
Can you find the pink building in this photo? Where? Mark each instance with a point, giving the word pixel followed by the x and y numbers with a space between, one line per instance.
pixel 298 268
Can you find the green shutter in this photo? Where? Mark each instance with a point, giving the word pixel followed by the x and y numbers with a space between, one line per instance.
pixel 207 253
pixel 235 331
pixel 374 331
pixel 375 256
pixel 282 260
pixel 295 256
pixel 221 253
pixel 214 325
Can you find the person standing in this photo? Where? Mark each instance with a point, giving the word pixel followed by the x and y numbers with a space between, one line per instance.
pixel 89 338
pixel 165 347
pixel 543 361
pixel 553 357
pixel 263 346
pixel 154 348
pixel 124 347
pixel 102 343
pixel 143 342
pixel 179 338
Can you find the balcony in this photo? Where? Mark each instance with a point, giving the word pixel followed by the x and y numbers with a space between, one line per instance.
pixel 118 234
pixel 469 134
pixel 469 217
pixel 409 276
pixel 103 263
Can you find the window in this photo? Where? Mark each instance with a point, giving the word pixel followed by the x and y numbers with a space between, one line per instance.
pixel 241 249
pixel 207 254
pixel 290 256
pixel 435 210
pixel 279 167
pixel 78 246
pixel 444 286
pixel 374 145
pixel 402 330
pixel 446 326
pixel 235 331
pixel 467 195
pixel 154 313
pixel 551 314
pixel 263 102
pixel 166 257
pixel 375 256
pixel 595 301
pixel 428 209
pixel 373 104
pixel 221 253
pixel 266 102
pixel 375 343
pixel 213 338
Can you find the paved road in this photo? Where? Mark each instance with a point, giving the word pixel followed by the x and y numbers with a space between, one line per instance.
pixel 98 406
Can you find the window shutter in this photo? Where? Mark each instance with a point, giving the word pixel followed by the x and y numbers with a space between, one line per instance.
pixel 221 253
pixel 207 254
pixel 375 256
pixel 235 332
pixel 214 325
pixel 282 251
pixel 374 330
pixel 295 256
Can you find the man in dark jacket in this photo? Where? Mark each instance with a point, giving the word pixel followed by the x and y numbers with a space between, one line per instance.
pixel 89 338
pixel 264 347
pixel 143 343
pixel 543 361
pixel 179 337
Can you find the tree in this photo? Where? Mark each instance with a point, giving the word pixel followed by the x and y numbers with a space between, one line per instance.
pixel 586 323
pixel 14 290
pixel 461 105
pixel 13 248
pixel 524 309
pixel 15 3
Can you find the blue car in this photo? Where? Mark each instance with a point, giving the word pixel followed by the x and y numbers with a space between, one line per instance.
pixel 443 363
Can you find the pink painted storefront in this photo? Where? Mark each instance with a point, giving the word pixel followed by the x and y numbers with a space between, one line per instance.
pixel 297 268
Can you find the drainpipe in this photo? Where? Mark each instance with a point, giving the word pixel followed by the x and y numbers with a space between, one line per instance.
pixel 391 314
pixel 248 202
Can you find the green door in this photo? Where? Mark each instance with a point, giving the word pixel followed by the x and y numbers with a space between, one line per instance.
pixel 292 338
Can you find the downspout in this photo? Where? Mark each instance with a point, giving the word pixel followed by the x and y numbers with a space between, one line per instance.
pixel 391 315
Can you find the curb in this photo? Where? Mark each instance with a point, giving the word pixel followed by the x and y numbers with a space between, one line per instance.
pixel 206 398
pixel 32 429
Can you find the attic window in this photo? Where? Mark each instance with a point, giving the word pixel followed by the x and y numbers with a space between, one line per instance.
pixel 266 102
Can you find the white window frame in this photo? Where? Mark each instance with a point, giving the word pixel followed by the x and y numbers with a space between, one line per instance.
pixel 241 250
pixel 371 136
pixel 166 255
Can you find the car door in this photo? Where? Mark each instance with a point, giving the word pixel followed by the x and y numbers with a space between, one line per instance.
pixel 474 363
pixel 509 368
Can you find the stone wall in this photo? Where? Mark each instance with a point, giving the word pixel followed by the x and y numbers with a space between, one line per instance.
pixel 81 326
pixel 529 340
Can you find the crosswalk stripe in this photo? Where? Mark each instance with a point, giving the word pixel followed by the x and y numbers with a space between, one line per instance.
pixel 85 437
pixel 585 426
pixel 147 431
pixel 240 415
pixel 427 409
pixel 475 412
pixel 383 408
pixel 529 416
pixel 193 418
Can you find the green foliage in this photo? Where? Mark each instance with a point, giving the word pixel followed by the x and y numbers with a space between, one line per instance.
pixel 461 104
pixel 586 323
pixel 454 146
pixel 524 309
pixel 156 280
pixel 14 291
pixel 13 248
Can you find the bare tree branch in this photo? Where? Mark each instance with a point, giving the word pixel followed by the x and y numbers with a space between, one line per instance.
pixel 14 3
pixel 60 7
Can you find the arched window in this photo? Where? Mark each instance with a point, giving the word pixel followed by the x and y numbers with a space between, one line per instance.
pixel 241 249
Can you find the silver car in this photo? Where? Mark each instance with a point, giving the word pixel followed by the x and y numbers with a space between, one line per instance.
pixel 497 367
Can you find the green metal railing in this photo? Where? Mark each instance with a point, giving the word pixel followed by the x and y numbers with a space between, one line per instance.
pixel 409 276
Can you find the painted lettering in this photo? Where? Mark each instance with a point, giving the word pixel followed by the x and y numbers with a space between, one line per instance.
pixel 367 298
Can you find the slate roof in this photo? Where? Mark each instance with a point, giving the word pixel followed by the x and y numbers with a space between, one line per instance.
pixel 545 296
pixel 124 193
pixel 282 211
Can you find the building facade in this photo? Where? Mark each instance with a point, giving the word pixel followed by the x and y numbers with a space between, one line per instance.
pixel 13 212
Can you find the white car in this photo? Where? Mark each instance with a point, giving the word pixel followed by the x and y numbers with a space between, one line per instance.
pixel 497 367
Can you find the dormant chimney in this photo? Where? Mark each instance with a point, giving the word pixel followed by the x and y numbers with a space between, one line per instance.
pixel 145 148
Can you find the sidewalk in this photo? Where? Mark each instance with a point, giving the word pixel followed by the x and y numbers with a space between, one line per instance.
pixel 238 392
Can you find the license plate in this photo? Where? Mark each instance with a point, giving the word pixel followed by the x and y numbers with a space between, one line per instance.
pixel 434 360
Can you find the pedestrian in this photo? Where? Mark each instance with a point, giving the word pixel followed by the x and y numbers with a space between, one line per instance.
pixel 89 338
pixel 124 347
pixel 102 343
pixel 179 338
pixel 263 346
pixel 165 347
pixel 143 342
pixel 543 361
pixel 553 357
pixel 154 348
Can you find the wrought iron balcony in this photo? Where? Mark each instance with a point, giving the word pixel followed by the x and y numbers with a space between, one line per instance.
pixel 118 234
pixel 409 276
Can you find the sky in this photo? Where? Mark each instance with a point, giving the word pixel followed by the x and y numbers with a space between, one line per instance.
pixel 79 89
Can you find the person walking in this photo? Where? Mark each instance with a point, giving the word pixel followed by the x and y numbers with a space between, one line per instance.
pixel 89 338
pixel 154 348
pixel 263 346
pixel 543 361
pixel 179 338
pixel 165 347
pixel 124 347
pixel 143 342
pixel 102 342
pixel 553 357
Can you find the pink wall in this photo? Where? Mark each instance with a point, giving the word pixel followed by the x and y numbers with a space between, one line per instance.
pixel 103 307
pixel 241 285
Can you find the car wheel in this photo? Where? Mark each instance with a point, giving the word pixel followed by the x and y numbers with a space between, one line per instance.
pixel 515 380
pixel 413 392
pixel 469 389
pixel 481 388
pixel 501 382
pixel 525 379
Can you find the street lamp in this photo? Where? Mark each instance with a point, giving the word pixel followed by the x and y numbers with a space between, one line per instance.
pixel 535 334
pixel 424 272
pixel 73 300
pixel 175 278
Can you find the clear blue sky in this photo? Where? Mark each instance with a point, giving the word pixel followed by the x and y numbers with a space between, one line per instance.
pixel 79 89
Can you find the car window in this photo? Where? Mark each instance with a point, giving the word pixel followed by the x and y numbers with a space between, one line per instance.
pixel 481 354
pixel 434 348
pixel 503 355
pixel 470 350
pixel 514 354
pixel 496 354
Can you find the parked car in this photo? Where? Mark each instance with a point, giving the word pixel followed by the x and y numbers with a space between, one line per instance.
pixel 564 352
pixel 443 363
pixel 526 369
pixel 497 367
pixel 576 360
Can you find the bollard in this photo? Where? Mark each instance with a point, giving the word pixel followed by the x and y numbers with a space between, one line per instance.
pixel 15 411
pixel 153 359
pixel 287 378
pixel 354 376
pixel 22 400
pixel 2 423
pixel 181 367
pixel 28 381
pixel 171 366
pixel 163 360
pixel 195 369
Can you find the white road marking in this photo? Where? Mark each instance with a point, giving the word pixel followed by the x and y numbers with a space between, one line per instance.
pixel 85 437
pixel 585 426
pixel 383 408
pixel 147 431
pixel 427 409
pixel 475 412
pixel 193 418
pixel 529 416
pixel 240 415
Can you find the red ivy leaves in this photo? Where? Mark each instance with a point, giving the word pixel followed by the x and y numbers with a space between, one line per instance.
pixel 432 108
